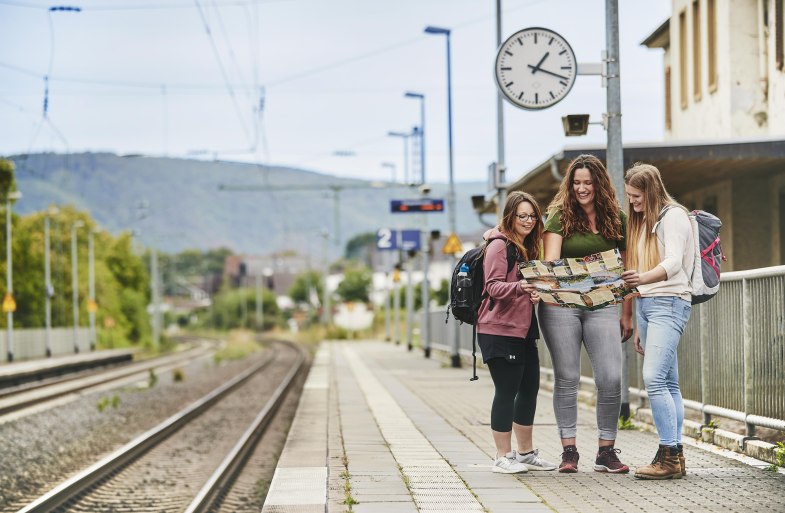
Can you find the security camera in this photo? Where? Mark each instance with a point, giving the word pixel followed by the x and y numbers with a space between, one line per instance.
pixel 425 189
pixel 575 124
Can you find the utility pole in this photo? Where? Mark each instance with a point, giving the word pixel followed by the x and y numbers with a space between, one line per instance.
pixel 259 318
pixel 502 190
pixel 75 282
pixel 397 303
pixel 91 304
pixel 8 302
pixel 326 314
pixel 615 151
pixel 409 303
pixel 155 298
pixel 49 289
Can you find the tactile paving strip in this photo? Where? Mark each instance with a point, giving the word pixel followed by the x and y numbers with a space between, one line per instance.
pixel 433 483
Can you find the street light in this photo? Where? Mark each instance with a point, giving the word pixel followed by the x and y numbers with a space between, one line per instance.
pixel 456 359
pixel 421 97
pixel 49 292
pixel 405 137
pixel 390 166
pixel 75 282
pixel 8 302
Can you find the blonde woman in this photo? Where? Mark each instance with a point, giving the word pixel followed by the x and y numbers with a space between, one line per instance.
pixel 660 262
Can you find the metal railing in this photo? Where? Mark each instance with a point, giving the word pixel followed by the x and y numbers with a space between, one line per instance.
pixel 731 356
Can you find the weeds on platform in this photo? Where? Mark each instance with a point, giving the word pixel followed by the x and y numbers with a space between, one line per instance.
pixel 178 375
pixel 626 424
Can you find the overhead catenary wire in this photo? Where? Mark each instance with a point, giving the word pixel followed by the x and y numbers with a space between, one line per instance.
pixel 229 87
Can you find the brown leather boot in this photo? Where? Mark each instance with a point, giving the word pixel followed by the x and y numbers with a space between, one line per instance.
pixel 665 465
pixel 682 460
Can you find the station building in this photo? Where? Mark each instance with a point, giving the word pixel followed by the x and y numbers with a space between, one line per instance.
pixel 724 148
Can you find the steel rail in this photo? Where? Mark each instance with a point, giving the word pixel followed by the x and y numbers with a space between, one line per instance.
pixel 223 477
pixel 77 484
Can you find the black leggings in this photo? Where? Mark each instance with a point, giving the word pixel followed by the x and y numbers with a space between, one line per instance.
pixel 516 390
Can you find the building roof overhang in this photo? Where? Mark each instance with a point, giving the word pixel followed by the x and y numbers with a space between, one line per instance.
pixel 685 165
pixel 660 38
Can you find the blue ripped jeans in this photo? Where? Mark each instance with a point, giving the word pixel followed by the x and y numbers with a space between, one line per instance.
pixel 661 322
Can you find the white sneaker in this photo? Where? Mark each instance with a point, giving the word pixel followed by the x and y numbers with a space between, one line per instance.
pixel 508 465
pixel 533 461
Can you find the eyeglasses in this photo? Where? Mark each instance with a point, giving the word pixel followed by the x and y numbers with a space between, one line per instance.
pixel 526 217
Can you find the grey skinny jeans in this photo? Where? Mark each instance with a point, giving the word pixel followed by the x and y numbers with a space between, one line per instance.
pixel 564 329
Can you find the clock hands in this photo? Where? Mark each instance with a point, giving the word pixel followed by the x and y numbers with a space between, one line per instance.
pixel 537 68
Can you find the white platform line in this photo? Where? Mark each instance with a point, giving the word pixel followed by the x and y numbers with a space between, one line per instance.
pixel 432 481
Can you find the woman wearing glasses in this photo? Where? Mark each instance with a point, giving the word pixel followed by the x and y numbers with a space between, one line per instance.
pixel 585 218
pixel 507 334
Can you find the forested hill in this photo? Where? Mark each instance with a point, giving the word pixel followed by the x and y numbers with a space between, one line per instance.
pixel 186 208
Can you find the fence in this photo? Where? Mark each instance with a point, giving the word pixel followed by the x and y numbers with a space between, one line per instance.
pixel 31 343
pixel 731 356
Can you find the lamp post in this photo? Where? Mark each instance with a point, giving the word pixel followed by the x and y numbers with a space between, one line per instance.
pixel 455 359
pixel 49 292
pixel 405 138
pixel 421 97
pixel 8 302
pixel 391 167
pixel 75 282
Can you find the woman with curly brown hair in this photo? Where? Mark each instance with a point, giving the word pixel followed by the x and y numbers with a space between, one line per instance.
pixel 585 218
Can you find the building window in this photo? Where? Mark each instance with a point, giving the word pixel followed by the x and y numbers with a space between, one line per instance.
pixel 711 33
pixel 696 50
pixel 683 59
pixel 778 39
pixel 667 98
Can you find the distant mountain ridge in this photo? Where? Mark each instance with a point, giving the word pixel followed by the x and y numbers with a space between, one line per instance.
pixel 186 209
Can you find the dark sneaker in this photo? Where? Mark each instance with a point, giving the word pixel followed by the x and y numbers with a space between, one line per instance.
pixel 607 461
pixel 569 460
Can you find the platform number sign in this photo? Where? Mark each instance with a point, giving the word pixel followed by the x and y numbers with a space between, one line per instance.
pixel 389 240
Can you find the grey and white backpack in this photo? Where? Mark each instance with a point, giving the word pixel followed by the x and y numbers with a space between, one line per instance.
pixel 705 279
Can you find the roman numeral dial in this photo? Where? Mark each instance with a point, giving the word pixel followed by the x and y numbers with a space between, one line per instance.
pixel 535 68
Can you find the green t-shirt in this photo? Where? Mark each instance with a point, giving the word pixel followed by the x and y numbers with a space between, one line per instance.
pixel 579 245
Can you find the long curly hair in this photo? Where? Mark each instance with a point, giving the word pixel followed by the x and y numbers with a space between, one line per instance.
pixel 647 179
pixel 529 248
pixel 606 203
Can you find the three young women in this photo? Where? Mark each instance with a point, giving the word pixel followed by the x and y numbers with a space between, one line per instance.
pixel 585 218
pixel 660 263
pixel 507 334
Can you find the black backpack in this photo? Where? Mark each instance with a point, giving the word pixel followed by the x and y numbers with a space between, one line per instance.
pixel 467 311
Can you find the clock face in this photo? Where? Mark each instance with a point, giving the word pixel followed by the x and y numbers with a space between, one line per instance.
pixel 535 68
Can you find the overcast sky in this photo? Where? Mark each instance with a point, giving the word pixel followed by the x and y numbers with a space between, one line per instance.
pixel 181 78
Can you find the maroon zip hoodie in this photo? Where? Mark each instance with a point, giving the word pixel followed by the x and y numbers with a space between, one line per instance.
pixel 512 308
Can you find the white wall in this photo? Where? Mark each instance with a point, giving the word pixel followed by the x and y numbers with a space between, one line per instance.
pixel 736 107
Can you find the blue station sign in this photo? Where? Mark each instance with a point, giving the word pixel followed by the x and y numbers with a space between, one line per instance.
pixel 389 240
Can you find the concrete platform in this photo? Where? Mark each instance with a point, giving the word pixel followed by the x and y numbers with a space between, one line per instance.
pixel 380 429
pixel 17 373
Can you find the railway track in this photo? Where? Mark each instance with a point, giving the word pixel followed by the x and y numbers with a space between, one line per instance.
pixel 188 462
